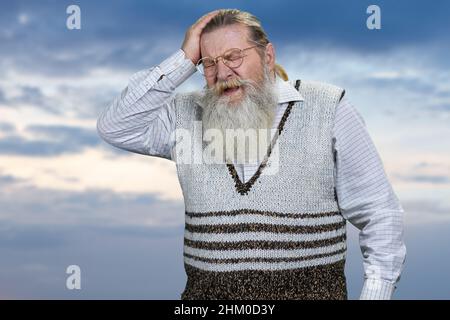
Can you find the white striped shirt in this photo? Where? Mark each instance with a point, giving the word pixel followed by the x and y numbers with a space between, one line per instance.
pixel 142 119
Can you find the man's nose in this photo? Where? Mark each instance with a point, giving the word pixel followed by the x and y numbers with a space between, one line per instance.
pixel 223 71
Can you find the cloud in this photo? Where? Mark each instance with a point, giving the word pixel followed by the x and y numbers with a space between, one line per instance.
pixel 444 107
pixel 127 245
pixel 2 96
pixel 96 168
pixel 426 211
pixel 26 95
pixel 29 238
pixel 55 140
pixel 426 179
pixel 138 262
pixel 107 43
pixel 46 207
pixel 6 127
pixel 31 95
pixel 23 18
pixel 7 180
pixel 116 262
pixel 426 172
pixel 100 43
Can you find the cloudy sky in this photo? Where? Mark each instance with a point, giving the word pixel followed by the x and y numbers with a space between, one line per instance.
pixel 66 197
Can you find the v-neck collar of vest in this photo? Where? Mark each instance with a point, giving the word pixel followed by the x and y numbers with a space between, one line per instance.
pixel 244 188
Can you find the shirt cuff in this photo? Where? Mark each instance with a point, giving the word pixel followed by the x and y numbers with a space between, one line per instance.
pixel 377 289
pixel 177 67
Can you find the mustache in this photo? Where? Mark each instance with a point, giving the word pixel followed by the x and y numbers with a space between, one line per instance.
pixel 222 85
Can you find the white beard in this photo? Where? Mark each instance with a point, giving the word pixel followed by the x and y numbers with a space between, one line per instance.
pixel 252 117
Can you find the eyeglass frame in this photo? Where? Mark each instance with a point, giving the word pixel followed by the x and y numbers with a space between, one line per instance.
pixel 216 59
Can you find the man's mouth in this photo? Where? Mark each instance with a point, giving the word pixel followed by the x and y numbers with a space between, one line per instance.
pixel 230 91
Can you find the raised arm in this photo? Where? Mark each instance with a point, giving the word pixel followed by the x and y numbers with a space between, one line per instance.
pixel 142 118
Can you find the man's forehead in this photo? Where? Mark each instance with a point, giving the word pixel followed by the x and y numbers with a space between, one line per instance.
pixel 216 42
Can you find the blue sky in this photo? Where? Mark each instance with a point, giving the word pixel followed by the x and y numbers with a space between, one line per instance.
pixel 66 197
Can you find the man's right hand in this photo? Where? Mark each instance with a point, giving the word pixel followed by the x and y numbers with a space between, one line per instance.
pixel 191 44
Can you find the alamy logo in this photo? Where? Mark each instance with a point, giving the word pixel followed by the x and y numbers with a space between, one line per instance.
pixel 74 280
pixel 74 20
pixel 374 20
pixel 212 146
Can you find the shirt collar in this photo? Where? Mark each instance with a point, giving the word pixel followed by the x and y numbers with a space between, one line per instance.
pixel 286 91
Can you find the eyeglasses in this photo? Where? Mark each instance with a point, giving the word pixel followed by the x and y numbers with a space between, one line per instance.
pixel 232 58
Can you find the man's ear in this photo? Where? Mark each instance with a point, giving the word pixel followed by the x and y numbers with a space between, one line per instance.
pixel 270 56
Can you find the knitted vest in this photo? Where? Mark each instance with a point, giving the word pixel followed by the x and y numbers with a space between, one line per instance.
pixel 278 236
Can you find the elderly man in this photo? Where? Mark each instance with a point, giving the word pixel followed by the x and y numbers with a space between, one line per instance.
pixel 270 226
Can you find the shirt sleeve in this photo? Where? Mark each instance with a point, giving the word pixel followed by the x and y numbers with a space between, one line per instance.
pixel 366 199
pixel 142 118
